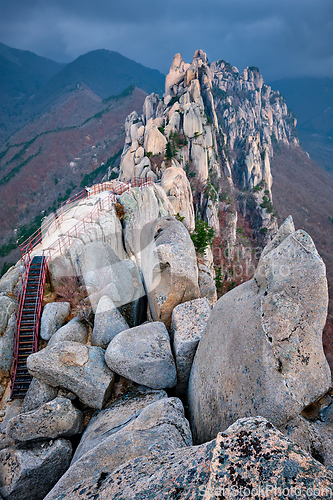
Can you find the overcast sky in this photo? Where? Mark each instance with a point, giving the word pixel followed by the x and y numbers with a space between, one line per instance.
pixel 281 37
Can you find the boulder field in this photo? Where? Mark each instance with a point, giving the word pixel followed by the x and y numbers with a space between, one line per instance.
pixel 106 415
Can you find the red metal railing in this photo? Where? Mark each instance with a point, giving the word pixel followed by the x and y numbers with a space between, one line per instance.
pixel 52 222
pixel 116 188
pixel 36 304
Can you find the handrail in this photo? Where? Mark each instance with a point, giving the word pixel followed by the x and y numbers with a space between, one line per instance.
pixel 20 300
pixel 32 241
pixel 115 186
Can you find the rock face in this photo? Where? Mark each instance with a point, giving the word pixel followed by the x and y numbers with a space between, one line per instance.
pixel 74 331
pixel 108 322
pixel 312 430
pixel 57 418
pixel 160 426
pixel 31 472
pixel 143 355
pixel 207 285
pixel 76 367
pixel 266 357
pixel 142 207
pixel 9 281
pixel 188 323
pixel 38 394
pixel 53 318
pixel 251 459
pixel 214 123
pixel 105 274
pixel 115 417
pixel 7 329
pixel 174 278
pixel 178 190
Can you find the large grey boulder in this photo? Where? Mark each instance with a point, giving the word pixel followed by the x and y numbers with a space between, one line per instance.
pixel 105 274
pixel 207 285
pixel 57 418
pixel 74 331
pixel 251 459
pixel 160 426
pixel 115 417
pixel 142 206
pixel 312 431
pixel 188 323
pixel 7 330
pixel 76 367
pixel 261 352
pixel 38 394
pixel 108 322
pixel 178 189
pixel 10 280
pixel 30 472
pixel 101 267
pixel 143 355
pixel 53 318
pixel 169 267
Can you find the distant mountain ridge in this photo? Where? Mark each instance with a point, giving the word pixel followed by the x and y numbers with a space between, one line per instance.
pixel 106 73
pixel 311 101
pixel 31 85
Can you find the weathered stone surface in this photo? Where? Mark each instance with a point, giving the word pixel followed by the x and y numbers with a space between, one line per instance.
pixel 53 318
pixel 10 409
pixel 102 268
pixel 142 207
pixel 207 285
pixel 76 367
pixel 115 417
pixel 57 418
pixel 192 120
pixel 170 269
pixel 143 355
pixel 108 322
pixel 251 460
pixel 7 336
pixel 74 331
pixel 60 267
pixel 154 140
pixel 178 190
pixel 188 323
pixel 7 330
pixel 10 279
pixel 160 426
pixel 38 394
pixel 7 307
pixel 315 435
pixel 265 357
pixel 112 231
pixel 30 472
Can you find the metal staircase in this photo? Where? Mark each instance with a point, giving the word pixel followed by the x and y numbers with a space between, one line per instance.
pixel 28 316
pixel 33 280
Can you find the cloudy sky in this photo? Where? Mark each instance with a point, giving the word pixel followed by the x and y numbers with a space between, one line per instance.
pixel 281 37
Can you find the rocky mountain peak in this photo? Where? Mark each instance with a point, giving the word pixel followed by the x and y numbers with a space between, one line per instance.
pixel 220 127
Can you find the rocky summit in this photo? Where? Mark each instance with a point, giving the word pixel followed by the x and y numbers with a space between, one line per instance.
pixel 180 352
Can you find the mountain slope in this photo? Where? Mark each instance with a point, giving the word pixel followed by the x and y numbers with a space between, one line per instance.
pixel 311 101
pixel 105 73
pixel 31 85
pixel 303 189
pixel 22 73
pixel 55 156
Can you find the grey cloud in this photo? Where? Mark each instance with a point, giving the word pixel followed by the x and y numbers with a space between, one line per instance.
pixel 282 37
